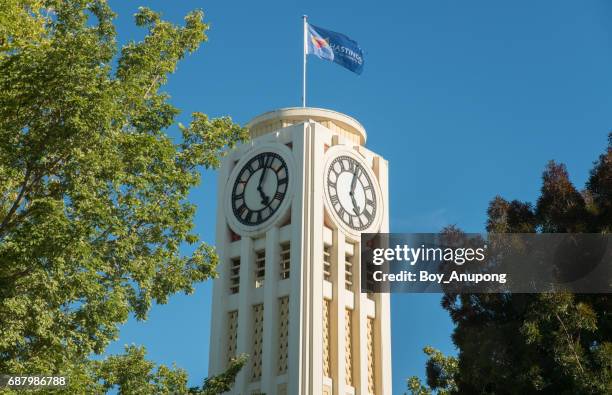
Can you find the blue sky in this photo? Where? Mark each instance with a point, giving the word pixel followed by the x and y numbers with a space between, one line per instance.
pixel 466 99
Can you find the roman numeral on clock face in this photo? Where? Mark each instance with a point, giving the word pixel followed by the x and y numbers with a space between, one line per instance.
pixel 240 210
pixel 262 161
pixel 351 192
pixel 351 166
pixel 260 187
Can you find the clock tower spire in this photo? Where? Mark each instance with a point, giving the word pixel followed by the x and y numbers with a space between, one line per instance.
pixel 292 205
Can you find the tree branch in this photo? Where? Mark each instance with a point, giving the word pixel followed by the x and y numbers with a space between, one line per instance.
pixel 17 202
pixel 155 80
pixel 570 342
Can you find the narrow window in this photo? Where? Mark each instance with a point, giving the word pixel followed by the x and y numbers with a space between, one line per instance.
pixel 370 352
pixel 327 262
pixel 285 260
pixel 348 346
pixel 326 339
pixel 348 271
pixel 260 268
pixel 234 277
pixel 283 334
pixel 232 334
pixel 258 314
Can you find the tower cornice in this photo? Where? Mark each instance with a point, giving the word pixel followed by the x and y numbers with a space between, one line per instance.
pixel 343 124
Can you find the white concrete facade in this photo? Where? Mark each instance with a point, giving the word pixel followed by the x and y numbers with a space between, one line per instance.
pixel 302 351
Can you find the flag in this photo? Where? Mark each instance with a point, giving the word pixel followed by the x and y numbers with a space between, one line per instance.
pixel 335 47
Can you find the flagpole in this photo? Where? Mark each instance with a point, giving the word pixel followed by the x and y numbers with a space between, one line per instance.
pixel 304 17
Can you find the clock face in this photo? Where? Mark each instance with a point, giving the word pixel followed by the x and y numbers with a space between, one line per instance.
pixel 260 188
pixel 351 192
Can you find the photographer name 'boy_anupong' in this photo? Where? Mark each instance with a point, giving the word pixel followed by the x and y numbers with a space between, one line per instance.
pixel 425 276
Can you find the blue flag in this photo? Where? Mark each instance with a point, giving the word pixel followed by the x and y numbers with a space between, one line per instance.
pixel 335 47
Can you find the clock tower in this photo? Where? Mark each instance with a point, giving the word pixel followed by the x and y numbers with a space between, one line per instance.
pixel 292 203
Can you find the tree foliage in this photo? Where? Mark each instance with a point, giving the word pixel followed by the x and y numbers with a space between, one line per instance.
pixel 93 190
pixel 441 372
pixel 224 381
pixel 555 343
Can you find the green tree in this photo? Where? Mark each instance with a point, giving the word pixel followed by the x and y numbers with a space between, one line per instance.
pixel 131 373
pixel 441 372
pixel 224 381
pixel 93 191
pixel 535 343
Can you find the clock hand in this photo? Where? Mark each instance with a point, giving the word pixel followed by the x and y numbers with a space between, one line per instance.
pixel 263 173
pixel 354 182
pixel 262 177
pixel 355 206
pixel 352 192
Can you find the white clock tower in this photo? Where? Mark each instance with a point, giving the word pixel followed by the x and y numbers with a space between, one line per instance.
pixel 292 205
